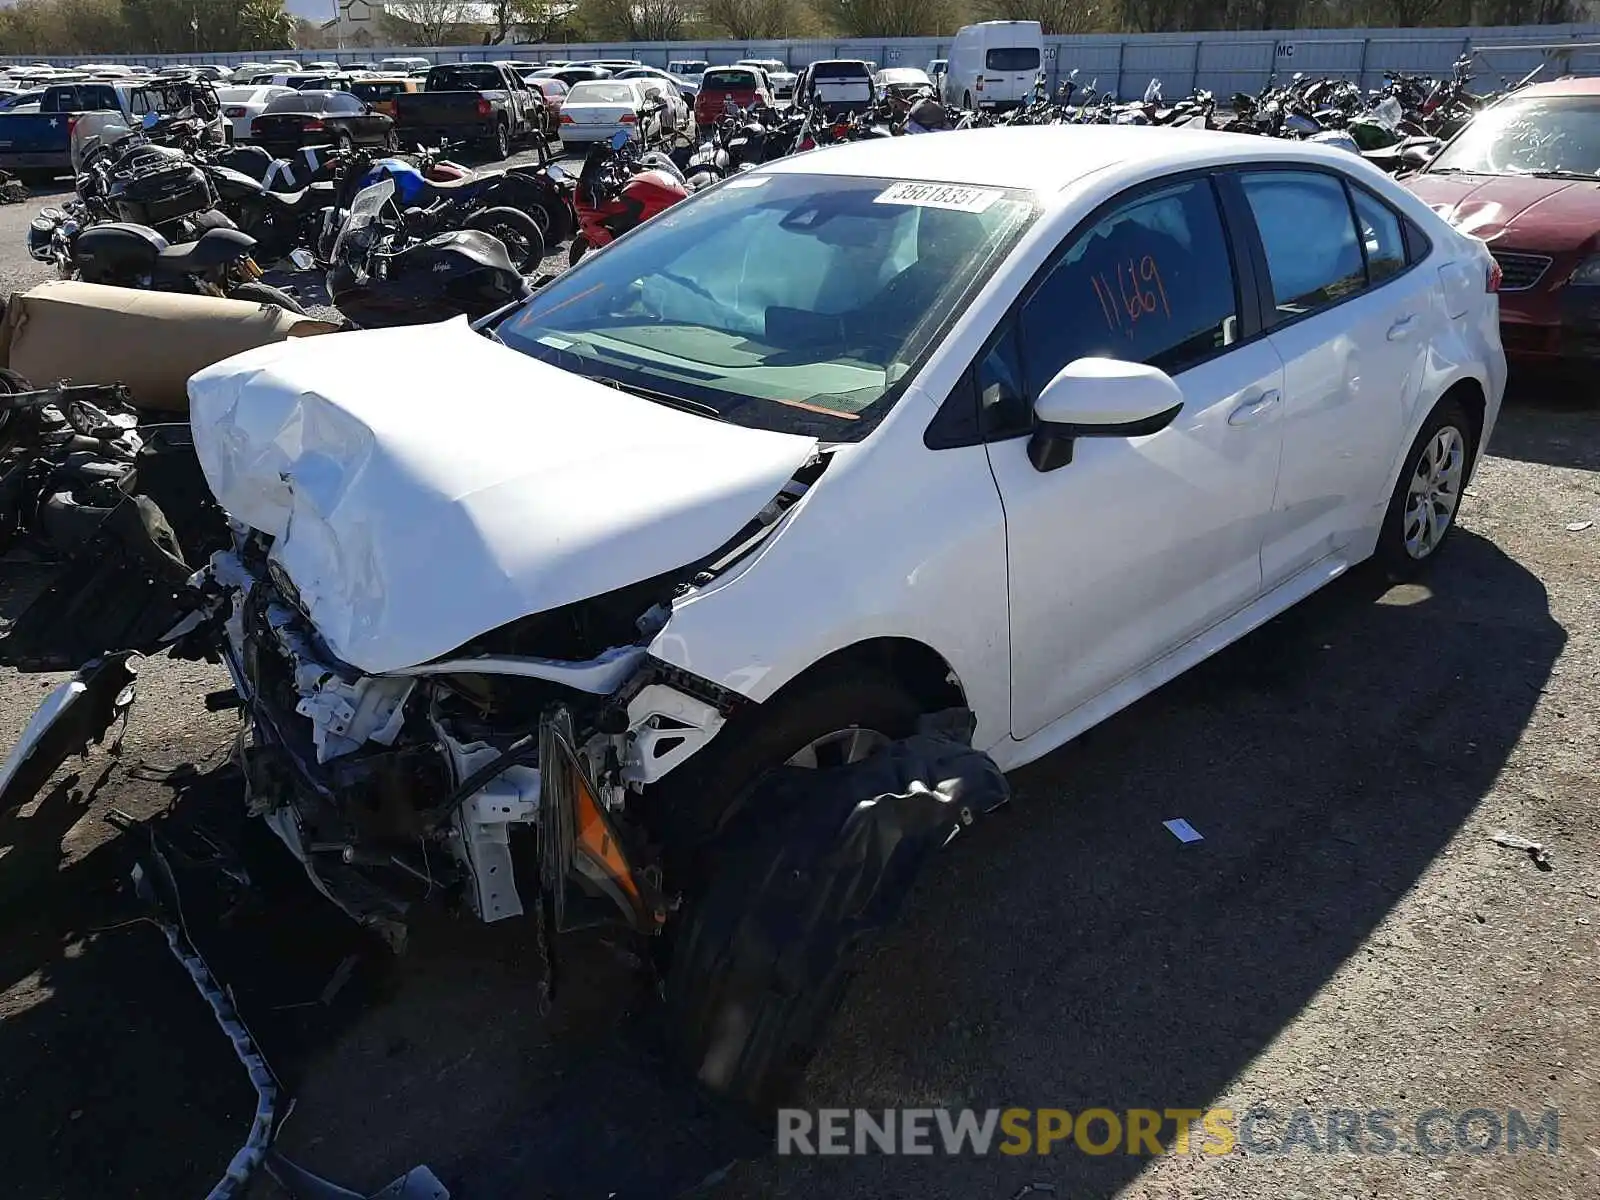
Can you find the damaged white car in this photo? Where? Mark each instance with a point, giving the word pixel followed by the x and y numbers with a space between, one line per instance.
pixel 1023 422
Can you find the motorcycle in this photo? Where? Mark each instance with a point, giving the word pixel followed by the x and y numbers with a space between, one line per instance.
pixel 121 254
pixel 490 203
pixel 381 275
pixel 619 189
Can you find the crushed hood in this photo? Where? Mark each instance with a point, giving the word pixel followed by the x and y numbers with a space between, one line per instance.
pixel 425 485
pixel 1515 212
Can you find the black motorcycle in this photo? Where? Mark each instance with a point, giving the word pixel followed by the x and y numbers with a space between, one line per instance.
pixel 381 274
pixel 120 254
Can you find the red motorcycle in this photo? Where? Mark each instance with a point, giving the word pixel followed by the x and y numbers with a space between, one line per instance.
pixel 618 189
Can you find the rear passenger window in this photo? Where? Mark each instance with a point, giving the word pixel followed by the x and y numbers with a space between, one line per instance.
pixel 1380 236
pixel 1152 282
pixel 1312 252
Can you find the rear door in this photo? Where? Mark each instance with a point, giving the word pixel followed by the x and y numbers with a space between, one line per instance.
pixel 1009 72
pixel 1350 322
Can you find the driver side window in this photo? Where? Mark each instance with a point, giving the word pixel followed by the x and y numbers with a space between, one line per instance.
pixel 1151 282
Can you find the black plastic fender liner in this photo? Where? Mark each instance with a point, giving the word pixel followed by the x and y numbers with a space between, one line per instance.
pixel 819 864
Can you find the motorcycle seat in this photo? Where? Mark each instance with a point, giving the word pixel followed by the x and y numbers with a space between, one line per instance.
pixel 319 194
pixel 216 248
pixel 450 185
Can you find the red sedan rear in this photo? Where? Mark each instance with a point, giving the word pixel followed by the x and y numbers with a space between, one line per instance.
pixel 744 86
pixel 1525 177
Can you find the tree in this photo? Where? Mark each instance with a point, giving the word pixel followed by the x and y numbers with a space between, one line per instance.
pixel 637 20
pixel 889 18
pixel 424 22
pixel 1055 16
pixel 751 20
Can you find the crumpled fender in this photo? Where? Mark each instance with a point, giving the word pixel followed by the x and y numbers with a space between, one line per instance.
pixel 817 864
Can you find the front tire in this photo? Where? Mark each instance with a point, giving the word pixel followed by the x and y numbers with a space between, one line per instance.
pixel 517 230
pixel 579 247
pixel 721 991
pixel 1422 510
pixel 834 720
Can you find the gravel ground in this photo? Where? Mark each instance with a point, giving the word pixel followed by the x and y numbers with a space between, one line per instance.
pixel 1346 936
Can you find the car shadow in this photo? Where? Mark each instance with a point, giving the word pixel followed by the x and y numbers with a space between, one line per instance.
pixel 1549 418
pixel 1068 953
pixel 1076 954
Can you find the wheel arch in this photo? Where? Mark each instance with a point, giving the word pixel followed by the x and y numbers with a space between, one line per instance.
pixel 926 674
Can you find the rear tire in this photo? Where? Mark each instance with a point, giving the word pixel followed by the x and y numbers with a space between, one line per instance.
pixel 553 220
pixel 523 241
pixel 261 293
pixel 346 143
pixel 1422 510
pixel 502 140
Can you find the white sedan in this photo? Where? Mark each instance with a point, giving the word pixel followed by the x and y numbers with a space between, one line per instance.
pixel 1023 421
pixel 595 109
pixel 241 105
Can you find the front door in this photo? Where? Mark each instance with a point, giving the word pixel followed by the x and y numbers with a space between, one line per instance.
pixel 1138 544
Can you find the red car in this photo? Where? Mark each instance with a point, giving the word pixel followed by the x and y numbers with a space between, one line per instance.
pixel 1525 177
pixel 554 92
pixel 743 85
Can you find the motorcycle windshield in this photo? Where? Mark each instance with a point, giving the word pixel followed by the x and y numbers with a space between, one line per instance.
pixel 96 129
pixel 364 210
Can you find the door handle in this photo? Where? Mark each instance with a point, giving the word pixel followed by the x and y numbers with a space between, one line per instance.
pixel 1254 410
pixel 1402 327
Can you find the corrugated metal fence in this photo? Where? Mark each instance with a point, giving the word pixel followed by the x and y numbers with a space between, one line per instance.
pixel 1224 61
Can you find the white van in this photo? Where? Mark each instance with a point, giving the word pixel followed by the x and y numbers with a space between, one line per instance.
pixel 993 64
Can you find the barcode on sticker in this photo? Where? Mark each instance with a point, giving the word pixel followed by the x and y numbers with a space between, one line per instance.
pixel 939 195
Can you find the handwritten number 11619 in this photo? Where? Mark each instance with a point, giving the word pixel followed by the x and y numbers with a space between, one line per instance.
pixel 1138 292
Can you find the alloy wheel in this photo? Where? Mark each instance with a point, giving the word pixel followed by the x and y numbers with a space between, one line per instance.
pixel 838 749
pixel 1434 492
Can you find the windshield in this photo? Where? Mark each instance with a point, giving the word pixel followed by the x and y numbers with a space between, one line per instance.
pixel 597 92
pixel 1558 135
pixel 1012 58
pixel 736 81
pixel 293 103
pixel 690 307
pixel 840 70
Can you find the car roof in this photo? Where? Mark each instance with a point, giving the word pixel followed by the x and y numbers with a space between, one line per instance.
pixel 1047 158
pixel 1570 86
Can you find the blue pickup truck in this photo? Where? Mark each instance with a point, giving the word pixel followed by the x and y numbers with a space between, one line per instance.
pixel 37 146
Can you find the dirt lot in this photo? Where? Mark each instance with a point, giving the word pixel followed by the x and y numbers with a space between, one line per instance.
pixel 1346 936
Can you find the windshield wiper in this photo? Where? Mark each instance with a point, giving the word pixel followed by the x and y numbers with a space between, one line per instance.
pixel 1560 173
pixel 679 402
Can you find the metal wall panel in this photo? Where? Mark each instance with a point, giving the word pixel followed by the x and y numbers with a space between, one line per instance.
pixel 1233 65
pixel 1172 62
pixel 1224 61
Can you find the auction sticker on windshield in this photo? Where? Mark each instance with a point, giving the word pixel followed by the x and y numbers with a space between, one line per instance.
pixel 939 195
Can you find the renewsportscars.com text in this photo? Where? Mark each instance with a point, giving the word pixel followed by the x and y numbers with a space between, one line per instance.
pixel 1435 1132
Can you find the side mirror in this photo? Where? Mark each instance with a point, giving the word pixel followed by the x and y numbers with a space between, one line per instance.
pixel 1099 397
pixel 151 120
